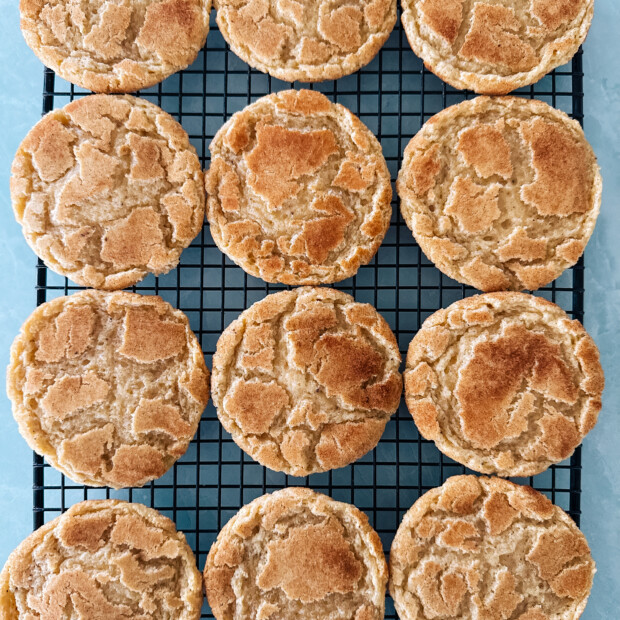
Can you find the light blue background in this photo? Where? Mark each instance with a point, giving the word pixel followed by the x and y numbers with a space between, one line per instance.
pixel 21 80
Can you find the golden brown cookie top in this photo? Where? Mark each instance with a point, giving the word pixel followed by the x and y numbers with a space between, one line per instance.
pixel 298 190
pixel 486 548
pixel 491 47
pixel 306 40
pixel 504 383
pixel 115 46
pixel 501 193
pixel 108 387
pixel 107 190
pixel 102 560
pixel 298 553
pixel 306 380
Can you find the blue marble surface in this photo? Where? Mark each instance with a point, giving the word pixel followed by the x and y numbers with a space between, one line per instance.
pixel 21 81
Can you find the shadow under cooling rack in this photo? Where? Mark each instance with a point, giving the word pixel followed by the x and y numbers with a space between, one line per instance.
pixel 394 95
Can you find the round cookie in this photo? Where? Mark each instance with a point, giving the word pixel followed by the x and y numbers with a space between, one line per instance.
pixel 298 190
pixel 504 383
pixel 107 190
pixel 306 380
pixel 492 47
pixel 108 387
pixel 501 193
pixel 486 549
pixel 103 559
pixel 299 555
pixel 306 40
pixel 112 46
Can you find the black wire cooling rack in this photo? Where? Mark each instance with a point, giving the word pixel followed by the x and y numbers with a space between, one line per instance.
pixel 394 95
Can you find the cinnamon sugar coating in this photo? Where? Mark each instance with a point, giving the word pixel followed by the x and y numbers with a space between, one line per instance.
pixel 107 190
pixel 108 387
pixel 298 190
pixel 306 40
pixel 488 549
pixel 294 554
pixel 493 48
pixel 306 380
pixel 504 383
pixel 115 46
pixel 102 560
pixel 501 193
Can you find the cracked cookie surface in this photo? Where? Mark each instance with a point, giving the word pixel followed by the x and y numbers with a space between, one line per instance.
pixel 504 383
pixel 306 380
pixel 102 559
pixel 298 190
pixel 494 47
pixel 297 554
pixel 489 549
pixel 306 40
pixel 115 46
pixel 501 193
pixel 107 190
pixel 108 387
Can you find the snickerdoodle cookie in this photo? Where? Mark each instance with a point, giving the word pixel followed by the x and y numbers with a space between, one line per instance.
pixel 306 380
pixel 115 46
pixel 298 190
pixel 501 193
pixel 102 559
pixel 494 47
pixel 297 555
pixel 306 40
pixel 107 190
pixel 108 387
pixel 504 383
pixel 488 549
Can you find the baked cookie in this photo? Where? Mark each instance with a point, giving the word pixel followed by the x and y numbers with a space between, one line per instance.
pixel 489 549
pixel 495 47
pixel 298 190
pixel 102 559
pixel 115 46
pixel 107 190
pixel 108 387
pixel 501 193
pixel 306 380
pixel 504 383
pixel 306 40
pixel 297 555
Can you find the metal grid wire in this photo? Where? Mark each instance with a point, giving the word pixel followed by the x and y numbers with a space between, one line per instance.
pixel 394 95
